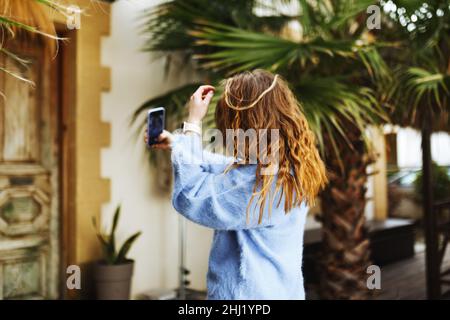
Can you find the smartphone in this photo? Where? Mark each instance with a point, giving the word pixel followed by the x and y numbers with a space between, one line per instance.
pixel 155 124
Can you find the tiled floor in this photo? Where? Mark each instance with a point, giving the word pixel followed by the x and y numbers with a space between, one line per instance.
pixel 405 280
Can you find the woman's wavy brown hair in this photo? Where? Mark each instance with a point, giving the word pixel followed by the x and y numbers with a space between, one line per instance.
pixel 301 172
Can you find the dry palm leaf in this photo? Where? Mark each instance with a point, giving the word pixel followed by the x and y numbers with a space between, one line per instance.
pixel 28 21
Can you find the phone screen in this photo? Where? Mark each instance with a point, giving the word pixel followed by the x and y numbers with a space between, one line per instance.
pixel 155 124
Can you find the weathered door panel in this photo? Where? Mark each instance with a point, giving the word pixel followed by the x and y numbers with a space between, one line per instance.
pixel 29 179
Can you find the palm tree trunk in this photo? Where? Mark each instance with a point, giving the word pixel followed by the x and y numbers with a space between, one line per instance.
pixel 346 252
pixel 431 232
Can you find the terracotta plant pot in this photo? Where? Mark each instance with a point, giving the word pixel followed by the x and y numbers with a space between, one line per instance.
pixel 113 282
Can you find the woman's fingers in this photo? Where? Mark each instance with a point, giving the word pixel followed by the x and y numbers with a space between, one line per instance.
pixel 208 89
pixel 161 146
pixel 145 136
pixel 164 141
pixel 200 93
pixel 164 135
pixel 201 90
pixel 208 97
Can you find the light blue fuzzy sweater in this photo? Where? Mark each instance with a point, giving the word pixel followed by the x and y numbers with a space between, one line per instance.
pixel 247 261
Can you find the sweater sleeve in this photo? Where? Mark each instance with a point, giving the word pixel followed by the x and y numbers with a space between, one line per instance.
pixel 203 193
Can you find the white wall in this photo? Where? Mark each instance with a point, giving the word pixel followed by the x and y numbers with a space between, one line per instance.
pixel 409 151
pixel 135 78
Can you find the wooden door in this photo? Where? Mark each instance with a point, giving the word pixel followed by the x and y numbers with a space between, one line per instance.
pixel 29 195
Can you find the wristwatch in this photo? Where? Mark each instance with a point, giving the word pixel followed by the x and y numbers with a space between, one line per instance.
pixel 193 127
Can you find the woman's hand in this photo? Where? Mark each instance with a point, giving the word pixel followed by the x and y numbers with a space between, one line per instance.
pixel 198 105
pixel 164 140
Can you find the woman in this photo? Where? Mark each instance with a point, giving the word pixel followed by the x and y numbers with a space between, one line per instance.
pixel 258 214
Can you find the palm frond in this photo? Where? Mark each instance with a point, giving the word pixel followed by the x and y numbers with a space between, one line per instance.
pixel 17 76
pixel 427 28
pixel 330 102
pixel 28 16
pixel 345 11
pixel 167 23
pixel 328 18
pixel 420 90
pixel 15 57
pixel 237 49
pixel 28 19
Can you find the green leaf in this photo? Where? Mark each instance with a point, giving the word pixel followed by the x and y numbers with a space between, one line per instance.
pixel 115 220
pixel 122 255
pixel 105 243
pixel 237 50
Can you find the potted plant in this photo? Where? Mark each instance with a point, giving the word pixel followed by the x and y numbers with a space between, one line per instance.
pixel 113 273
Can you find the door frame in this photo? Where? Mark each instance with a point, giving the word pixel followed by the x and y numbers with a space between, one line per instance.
pixel 67 143
pixel 83 135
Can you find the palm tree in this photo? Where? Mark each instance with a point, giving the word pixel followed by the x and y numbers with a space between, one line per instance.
pixel 422 95
pixel 334 68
